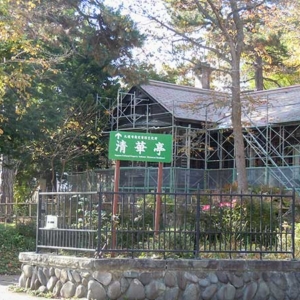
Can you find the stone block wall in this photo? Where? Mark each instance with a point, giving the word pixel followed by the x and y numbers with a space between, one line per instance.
pixel 137 279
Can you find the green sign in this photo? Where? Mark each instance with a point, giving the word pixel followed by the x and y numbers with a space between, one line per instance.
pixel 139 146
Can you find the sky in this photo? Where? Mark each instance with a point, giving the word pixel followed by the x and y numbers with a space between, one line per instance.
pixel 151 45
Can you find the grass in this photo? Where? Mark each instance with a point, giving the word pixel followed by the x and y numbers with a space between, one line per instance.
pixel 17 289
pixel 15 239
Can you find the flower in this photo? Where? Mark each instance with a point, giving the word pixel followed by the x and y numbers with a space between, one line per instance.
pixel 225 204
pixel 228 204
pixel 205 207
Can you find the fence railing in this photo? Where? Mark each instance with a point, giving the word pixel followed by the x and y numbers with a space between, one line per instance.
pixel 18 212
pixel 188 225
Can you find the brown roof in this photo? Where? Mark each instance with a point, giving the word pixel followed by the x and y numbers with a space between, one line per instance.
pixel 275 106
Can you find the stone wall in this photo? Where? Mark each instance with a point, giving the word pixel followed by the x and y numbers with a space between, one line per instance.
pixel 135 279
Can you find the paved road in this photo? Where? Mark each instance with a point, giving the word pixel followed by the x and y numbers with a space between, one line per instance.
pixel 5 294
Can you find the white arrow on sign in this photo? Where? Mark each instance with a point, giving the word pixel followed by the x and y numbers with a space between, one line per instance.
pixel 118 135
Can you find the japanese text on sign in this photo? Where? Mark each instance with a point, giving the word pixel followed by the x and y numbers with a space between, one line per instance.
pixel 140 146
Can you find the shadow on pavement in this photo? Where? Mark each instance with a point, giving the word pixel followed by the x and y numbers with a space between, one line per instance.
pixel 9 279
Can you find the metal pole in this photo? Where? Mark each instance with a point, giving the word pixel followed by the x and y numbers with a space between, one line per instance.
pixel 38 222
pixel 99 221
pixel 293 223
pixel 197 229
pixel 115 205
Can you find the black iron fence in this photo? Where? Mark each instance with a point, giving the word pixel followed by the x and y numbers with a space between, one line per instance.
pixel 167 225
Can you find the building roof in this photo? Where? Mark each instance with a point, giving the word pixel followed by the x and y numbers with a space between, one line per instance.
pixel 274 106
pixel 186 102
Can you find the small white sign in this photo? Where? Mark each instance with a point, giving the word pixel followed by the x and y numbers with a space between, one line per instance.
pixel 51 222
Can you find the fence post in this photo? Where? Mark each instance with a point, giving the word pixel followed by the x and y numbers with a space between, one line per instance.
pixel 197 231
pixel 38 220
pixel 115 208
pixel 99 222
pixel 293 223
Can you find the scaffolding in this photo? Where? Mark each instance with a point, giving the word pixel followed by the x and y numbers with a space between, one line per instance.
pixel 203 152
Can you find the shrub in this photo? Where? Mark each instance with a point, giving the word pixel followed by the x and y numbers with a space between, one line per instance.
pixel 14 240
pixel 27 229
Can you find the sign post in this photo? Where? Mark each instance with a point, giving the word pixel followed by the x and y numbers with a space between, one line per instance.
pixel 158 197
pixel 138 146
pixel 115 204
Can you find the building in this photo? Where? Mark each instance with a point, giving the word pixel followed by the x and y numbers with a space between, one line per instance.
pixel 203 152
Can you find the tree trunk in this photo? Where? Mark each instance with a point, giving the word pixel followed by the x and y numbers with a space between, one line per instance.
pixel 236 116
pixel 6 188
pixel 259 83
